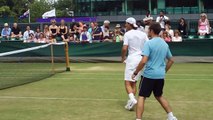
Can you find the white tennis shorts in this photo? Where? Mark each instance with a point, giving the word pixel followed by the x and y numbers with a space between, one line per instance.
pixel 131 65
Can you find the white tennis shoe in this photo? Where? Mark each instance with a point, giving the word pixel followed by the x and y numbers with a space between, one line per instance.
pixel 172 118
pixel 130 104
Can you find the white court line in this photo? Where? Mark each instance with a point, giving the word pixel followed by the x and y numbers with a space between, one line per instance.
pixel 108 79
pixel 55 98
pixel 92 73
pixel 92 99
pixel 114 79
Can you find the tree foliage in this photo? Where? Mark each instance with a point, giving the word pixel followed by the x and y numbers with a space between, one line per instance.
pixel 5 11
pixel 63 7
pixel 15 8
pixel 38 8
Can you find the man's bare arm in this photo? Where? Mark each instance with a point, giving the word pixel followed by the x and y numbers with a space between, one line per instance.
pixel 123 53
pixel 169 63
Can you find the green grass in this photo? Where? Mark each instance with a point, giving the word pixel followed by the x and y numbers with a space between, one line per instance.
pixel 96 92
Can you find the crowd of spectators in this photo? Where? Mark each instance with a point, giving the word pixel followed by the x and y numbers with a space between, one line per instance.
pixel 176 35
pixel 77 33
pixel 88 33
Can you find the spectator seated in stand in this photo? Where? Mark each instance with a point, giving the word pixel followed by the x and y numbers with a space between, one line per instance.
pixel 74 34
pixel 85 36
pixel 16 33
pixel 62 31
pixel 31 38
pixel 203 25
pixel 166 36
pixel 105 25
pixel 169 30
pixel 147 22
pixel 6 32
pixel 42 38
pixel 80 27
pixel 118 35
pixel 107 34
pixel 97 33
pixel 46 31
pixel 53 28
pixel 162 20
pixel 182 27
pixel 37 33
pixel 177 37
pixel 28 33
pixel 52 39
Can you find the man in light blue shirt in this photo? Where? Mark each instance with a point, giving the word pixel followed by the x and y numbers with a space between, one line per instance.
pixel 6 32
pixel 157 50
pixel 155 53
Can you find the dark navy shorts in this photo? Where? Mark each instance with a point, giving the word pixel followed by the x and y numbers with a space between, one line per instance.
pixel 147 86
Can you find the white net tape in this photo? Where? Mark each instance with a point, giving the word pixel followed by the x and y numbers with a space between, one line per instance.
pixel 29 49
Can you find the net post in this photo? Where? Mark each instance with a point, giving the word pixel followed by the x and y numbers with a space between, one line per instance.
pixel 52 58
pixel 67 56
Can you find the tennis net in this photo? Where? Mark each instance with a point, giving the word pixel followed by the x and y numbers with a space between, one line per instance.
pixel 15 71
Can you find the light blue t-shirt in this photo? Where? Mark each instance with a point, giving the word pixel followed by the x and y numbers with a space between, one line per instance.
pixel 6 32
pixel 157 50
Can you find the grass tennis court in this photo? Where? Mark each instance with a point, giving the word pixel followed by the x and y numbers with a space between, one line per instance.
pixel 96 92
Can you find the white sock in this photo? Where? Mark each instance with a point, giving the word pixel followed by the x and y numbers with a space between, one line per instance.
pixel 170 115
pixel 132 97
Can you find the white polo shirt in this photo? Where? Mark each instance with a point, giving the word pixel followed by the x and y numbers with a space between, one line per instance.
pixel 135 40
pixel 161 20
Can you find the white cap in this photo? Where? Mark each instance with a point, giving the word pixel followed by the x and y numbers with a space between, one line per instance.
pixel 132 21
pixel 6 24
pixel 106 22
pixel 118 26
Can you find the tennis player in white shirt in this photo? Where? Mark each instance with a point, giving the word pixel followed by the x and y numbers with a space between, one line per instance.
pixel 134 41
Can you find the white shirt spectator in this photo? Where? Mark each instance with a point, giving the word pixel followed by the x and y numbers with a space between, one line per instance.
pixel 162 20
pixel 177 39
pixel 135 40
pixel 106 23
pixel 27 34
pixel 85 36
pixel 106 33
pixel 170 32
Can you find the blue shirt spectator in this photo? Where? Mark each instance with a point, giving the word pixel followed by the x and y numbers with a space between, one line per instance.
pixel 6 31
pixel 97 33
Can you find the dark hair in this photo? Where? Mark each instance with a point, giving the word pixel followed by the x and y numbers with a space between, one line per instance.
pixel 162 11
pixel 155 27
pixel 132 26
pixel 165 32
pixel 148 11
pixel 177 31
pixel 183 20
pixel 135 28
pixel 31 35
pixel 139 22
